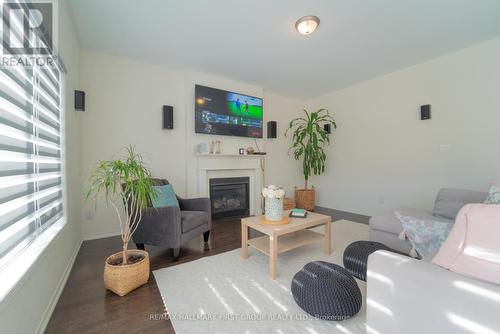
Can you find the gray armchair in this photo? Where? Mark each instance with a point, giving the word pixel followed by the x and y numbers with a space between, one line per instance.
pixel 173 226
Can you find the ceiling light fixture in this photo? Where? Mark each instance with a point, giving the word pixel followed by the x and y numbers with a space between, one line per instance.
pixel 307 24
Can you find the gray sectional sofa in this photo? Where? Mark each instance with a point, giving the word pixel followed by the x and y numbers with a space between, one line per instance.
pixel 385 227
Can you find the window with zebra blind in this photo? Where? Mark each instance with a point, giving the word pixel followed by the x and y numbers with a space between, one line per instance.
pixel 31 149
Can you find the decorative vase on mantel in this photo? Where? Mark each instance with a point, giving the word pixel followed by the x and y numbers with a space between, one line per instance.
pixel 273 202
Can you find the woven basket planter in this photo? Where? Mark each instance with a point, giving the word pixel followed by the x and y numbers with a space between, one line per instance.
pixel 288 203
pixel 305 199
pixel 123 279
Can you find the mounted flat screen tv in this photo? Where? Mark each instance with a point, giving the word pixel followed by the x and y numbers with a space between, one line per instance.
pixel 219 112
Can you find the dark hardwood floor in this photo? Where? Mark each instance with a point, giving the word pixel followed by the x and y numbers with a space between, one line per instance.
pixel 86 307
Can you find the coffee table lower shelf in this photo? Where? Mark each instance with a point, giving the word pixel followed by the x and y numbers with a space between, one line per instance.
pixel 287 242
pixel 281 238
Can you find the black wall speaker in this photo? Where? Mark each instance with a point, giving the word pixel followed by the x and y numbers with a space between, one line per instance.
pixel 425 112
pixel 168 117
pixel 79 100
pixel 272 129
pixel 328 128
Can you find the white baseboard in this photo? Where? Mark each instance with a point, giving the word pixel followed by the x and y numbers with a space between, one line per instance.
pixel 57 293
pixel 100 235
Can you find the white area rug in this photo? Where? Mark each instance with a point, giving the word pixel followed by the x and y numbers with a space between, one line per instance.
pixel 225 294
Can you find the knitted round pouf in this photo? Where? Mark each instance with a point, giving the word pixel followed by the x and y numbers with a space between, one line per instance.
pixel 326 291
pixel 356 256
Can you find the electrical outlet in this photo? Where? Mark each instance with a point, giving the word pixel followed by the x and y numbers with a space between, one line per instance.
pixel 89 215
pixel 381 200
pixel 444 147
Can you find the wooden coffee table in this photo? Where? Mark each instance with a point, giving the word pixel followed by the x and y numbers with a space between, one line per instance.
pixel 281 238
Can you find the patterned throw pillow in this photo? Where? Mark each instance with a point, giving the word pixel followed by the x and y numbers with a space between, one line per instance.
pixel 494 196
pixel 425 235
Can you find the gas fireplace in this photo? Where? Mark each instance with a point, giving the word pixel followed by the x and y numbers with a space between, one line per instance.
pixel 230 197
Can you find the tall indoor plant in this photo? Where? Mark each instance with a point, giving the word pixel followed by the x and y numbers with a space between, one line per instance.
pixel 308 142
pixel 127 186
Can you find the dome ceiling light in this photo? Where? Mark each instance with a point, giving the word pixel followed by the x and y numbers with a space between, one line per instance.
pixel 307 24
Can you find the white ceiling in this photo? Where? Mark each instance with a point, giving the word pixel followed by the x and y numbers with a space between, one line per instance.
pixel 255 41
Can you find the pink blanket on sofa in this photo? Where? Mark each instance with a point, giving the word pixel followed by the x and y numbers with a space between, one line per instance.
pixel 473 246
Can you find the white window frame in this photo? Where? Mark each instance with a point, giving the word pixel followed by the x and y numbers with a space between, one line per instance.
pixel 16 271
pixel 14 274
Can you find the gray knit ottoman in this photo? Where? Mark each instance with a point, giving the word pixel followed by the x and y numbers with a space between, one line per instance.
pixel 356 256
pixel 326 291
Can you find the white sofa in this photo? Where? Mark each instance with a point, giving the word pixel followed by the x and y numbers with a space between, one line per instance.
pixel 408 296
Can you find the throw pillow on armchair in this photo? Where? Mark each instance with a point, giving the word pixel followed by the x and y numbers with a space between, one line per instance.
pixel 472 247
pixel 166 196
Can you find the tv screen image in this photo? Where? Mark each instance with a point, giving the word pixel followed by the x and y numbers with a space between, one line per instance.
pixel 220 112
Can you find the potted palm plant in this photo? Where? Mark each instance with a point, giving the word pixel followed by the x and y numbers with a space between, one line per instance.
pixel 127 186
pixel 308 141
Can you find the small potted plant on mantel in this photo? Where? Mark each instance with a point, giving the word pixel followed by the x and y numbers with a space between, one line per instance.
pixel 308 142
pixel 127 186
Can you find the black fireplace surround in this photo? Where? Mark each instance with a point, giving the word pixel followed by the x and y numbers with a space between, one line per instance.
pixel 230 197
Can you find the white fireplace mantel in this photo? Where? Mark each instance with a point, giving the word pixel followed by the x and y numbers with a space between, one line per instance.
pixel 210 166
pixel 237 156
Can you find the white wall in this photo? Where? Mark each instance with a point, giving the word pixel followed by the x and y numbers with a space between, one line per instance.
pixel 281 168
pixel 28 308
pixel 385 156
pixel 123 106
pixel 124 102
